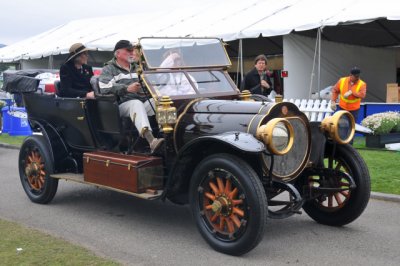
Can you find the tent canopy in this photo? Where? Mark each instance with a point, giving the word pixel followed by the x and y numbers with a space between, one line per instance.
pixel 230 20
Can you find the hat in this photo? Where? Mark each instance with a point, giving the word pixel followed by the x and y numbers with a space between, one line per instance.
pixel 123 44
pixel 76 49
pixel 355 71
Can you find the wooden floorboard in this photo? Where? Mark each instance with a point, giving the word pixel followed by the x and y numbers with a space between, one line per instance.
pixel 80 179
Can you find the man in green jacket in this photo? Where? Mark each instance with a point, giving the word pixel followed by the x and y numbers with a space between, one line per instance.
pixel 119 77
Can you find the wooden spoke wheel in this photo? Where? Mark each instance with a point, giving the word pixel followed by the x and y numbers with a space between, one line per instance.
pixel 228 203
pixel 340 208
pixel 35 167
pixel 224 204
pixel 335 200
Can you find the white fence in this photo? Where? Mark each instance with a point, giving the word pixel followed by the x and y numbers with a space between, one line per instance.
pixel 315 110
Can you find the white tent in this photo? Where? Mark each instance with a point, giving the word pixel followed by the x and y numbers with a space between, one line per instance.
pixel 242 20
pixel 229 20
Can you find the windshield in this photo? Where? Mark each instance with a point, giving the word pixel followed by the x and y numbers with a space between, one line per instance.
pixel 190 83
pixel 183 53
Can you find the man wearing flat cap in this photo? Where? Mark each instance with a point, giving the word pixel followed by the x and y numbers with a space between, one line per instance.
pixel 119 77
pixel 351 90
pixel 75 74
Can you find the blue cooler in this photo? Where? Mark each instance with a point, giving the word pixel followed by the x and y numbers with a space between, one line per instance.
pixel 6 119
pixel 19 122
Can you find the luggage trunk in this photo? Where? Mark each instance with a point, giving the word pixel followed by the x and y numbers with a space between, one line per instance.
pixel 131 173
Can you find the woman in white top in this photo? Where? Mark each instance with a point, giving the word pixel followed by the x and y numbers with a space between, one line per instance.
pixel 176 83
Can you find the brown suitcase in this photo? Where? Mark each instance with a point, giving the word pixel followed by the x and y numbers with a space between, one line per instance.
pixel 131 173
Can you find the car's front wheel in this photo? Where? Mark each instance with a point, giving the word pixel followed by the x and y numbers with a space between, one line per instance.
pixel 228 204
pixel 35 167
pixel 340 208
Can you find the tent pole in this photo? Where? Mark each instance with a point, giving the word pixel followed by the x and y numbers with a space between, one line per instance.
pixel 51 65
pixel 241 59
pixel 313 68
pixel 319 60
pixel 238 67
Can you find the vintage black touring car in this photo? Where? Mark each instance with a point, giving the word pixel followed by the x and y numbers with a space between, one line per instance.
pixel 237 159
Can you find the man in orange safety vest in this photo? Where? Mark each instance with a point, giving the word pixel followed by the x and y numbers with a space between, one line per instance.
pixel 351 90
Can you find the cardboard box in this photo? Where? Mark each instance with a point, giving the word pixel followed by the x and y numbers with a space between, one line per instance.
pixel 392 93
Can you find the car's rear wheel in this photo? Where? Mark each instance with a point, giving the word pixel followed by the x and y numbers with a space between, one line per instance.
pixel 35 167
pixel 228 203
pixel 340 208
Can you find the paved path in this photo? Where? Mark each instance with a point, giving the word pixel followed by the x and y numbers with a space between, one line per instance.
pixel 138 232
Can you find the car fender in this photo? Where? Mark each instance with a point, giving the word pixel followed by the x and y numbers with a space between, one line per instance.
pixel 238 142
pixel 58 150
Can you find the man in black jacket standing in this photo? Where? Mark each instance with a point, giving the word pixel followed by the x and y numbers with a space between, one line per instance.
pixel 75 74
pixel 257 80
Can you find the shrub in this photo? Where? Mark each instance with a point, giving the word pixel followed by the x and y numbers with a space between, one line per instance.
pixel 383 123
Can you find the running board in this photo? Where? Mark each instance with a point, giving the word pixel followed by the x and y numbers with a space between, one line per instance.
pixel 80 179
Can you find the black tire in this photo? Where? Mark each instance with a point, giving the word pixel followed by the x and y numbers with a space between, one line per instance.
pixel 35 167
pixel 352 203
pixel 242 207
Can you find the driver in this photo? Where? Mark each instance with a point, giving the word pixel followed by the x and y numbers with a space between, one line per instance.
pixel 119 77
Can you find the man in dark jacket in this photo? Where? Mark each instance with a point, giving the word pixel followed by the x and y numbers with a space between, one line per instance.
pixel 257 80
pixel 75 74
pixel 119 77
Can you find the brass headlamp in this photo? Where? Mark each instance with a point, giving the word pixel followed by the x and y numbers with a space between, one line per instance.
pixel 277 134
pixel 166 114
pixel 340 127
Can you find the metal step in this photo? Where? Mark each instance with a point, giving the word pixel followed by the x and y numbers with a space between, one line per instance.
pixel 80 179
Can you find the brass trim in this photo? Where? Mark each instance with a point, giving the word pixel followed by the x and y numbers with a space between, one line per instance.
pixel 149 90
pixel 107 163
pixel 80 118
pixel 180 117
pixel 264 133
pixel 302 165
pixel 245 96
pixel 330 126
pixel 251 120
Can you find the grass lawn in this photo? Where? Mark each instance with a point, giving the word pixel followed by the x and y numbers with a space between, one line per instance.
pixel 383 167
pixel 13 140
pixel 25 246
pixel 382 164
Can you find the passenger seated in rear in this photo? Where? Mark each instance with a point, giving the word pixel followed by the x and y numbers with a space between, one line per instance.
pixel 75 74
pixel 119 77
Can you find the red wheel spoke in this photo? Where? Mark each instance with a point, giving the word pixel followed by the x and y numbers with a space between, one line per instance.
pixel 330 197
pixel 214 188
pixel 233 194
pixel 221 223
pixel 338 199
pixel 209 196
pixel 229 223
pixel 220 185
pixel 238 211
pixel 228 187
pixel 345 194
pixel 237 202
pixel 235 220
pixel 214 218
pixel 209 207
